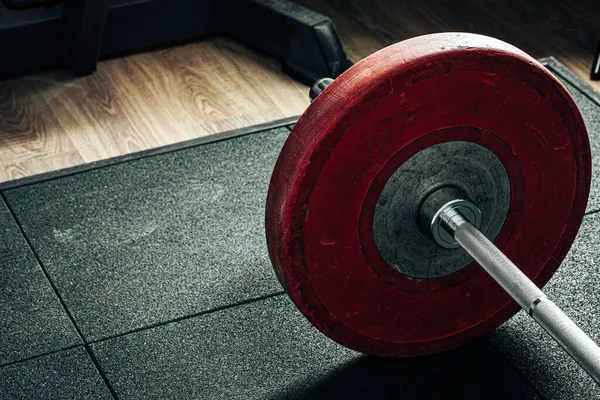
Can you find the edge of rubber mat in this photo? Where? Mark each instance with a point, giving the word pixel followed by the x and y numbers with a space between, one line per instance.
pixel 217 137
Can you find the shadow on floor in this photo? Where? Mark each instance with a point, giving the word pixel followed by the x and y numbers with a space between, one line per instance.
pixel 476 371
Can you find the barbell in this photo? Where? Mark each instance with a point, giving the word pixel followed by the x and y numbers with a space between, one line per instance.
pixel 415 183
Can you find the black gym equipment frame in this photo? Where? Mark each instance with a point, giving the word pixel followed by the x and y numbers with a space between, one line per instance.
pixel 37 35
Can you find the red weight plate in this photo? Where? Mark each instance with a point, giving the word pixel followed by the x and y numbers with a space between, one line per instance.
pixel 360 129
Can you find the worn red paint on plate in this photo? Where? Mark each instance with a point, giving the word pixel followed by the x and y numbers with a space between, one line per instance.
pixel 387 107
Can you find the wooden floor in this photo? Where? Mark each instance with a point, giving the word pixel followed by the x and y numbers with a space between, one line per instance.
pixel 52 121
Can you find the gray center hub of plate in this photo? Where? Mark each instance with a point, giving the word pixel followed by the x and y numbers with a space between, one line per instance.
pixel 465 165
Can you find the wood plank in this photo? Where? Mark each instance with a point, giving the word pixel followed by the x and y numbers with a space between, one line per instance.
pixel 162 97
pixel 30 132
pixel 139 102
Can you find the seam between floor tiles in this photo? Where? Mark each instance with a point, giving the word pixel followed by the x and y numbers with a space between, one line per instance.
pixel 517 370
pixel 48 353
pixel 592 212
pixel 183 318
pixel 60 299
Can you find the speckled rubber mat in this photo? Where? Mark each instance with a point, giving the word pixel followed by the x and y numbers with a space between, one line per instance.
pixel 148 277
